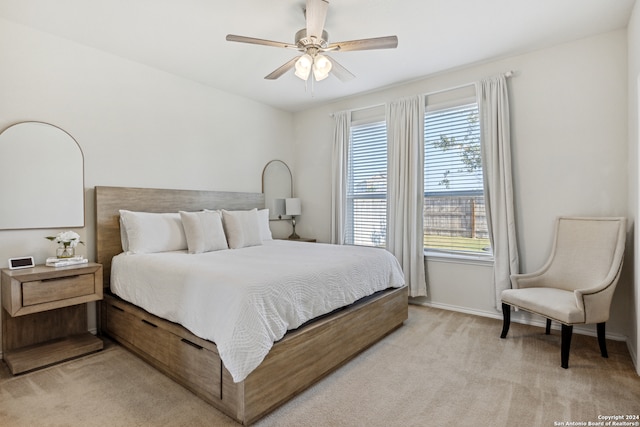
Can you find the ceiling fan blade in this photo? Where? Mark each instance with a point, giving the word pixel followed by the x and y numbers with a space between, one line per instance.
pixel 252 40
pixel 316 13
pixel 282 69
pixel 389 42
pixel 339 71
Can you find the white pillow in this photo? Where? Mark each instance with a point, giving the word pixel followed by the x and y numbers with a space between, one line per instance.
pixel 263 222
pixel 204 231
pixel 146 232
pixel 242 228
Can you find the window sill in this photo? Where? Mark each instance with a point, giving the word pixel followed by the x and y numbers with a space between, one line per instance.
pixel 459 258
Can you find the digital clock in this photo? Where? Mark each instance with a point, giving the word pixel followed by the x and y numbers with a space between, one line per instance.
pixel 22 262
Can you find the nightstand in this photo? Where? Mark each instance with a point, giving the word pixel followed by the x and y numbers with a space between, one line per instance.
pixel 44 320
pixel 302 239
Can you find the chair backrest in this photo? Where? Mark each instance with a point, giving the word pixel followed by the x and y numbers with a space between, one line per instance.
pixel 586 251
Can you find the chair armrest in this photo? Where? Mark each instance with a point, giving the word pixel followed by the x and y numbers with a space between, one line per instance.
pixel 535 279
pixel 595 305
pixel 527 280
pixel 596 301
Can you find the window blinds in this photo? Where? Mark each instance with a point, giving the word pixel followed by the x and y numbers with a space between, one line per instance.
pixel 367 185
pixel 452 150
pixel 454 210
pixel 454 214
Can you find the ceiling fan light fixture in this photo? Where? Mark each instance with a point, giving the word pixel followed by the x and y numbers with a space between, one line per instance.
pixel 303 66
pixel 321 67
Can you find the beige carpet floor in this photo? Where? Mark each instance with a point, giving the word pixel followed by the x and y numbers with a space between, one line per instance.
pixel 440 369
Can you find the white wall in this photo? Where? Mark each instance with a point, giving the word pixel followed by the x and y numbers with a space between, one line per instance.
pixel 136 126
pixel 569 147
pixel 633 41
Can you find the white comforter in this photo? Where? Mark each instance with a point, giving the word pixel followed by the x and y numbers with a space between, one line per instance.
pixel 246 299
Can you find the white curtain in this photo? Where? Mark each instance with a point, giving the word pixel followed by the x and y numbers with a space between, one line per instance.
pixel 405 189
pixel 493 105
pixel 339 160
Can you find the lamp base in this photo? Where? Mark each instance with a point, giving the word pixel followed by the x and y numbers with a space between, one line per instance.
pixel 293 236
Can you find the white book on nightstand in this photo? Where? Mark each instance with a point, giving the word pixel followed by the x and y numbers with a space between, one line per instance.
pixel 64 262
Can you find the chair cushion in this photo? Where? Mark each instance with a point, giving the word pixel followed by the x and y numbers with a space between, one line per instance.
pixel 555 304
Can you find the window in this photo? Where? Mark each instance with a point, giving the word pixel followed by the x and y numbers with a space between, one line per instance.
pixel 367 185
pixel 454 211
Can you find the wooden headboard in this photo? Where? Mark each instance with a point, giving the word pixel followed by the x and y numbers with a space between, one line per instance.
pixel 109 200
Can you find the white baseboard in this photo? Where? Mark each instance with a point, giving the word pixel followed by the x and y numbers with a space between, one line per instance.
pixel 515 318
pixel 634 357
pixel 466 310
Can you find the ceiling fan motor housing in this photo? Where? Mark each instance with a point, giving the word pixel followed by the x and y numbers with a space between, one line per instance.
pixel 303 41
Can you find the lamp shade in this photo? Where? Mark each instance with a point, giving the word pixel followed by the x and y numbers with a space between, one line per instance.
pixel 293 207
pixel 303 66
pixel 321 67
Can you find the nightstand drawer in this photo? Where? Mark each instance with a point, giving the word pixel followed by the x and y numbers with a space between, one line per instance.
pixel 58 288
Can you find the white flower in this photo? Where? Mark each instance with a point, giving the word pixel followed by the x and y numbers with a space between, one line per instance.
pixel 67 238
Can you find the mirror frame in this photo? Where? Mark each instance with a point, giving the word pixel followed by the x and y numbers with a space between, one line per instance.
pixel 268 201
pixel 36 192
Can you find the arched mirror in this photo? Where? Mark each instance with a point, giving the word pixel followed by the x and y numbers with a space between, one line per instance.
pixel 41 177
pixel 277 185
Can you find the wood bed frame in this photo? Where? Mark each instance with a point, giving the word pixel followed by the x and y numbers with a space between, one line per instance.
pixel 294 363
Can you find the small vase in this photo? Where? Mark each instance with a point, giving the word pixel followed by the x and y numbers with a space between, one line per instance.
pixel 65 251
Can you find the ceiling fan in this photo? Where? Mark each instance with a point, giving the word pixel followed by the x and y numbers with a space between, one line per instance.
pixel 313 43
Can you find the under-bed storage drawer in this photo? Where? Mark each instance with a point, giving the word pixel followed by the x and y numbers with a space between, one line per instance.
pixel 199 366
pixel 191 361
pixel 141 333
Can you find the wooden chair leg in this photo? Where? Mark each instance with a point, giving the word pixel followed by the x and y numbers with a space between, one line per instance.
pixel 567 330
pixel 506 319
pixel 548 329
pixel 601 340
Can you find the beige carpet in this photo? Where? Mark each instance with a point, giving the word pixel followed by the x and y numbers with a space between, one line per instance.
pixel 440 369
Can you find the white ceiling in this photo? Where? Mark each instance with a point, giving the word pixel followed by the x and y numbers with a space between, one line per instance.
pixel 187 37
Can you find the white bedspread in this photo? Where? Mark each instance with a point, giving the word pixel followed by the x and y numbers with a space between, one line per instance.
pixel 246 299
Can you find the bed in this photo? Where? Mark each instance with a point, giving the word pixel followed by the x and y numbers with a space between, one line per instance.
pixel 304 354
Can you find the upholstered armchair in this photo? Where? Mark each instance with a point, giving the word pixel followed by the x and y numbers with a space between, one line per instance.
pixel 576 284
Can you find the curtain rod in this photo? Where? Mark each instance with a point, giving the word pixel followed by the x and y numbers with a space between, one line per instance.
pixel 358 109
pixel 507 74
